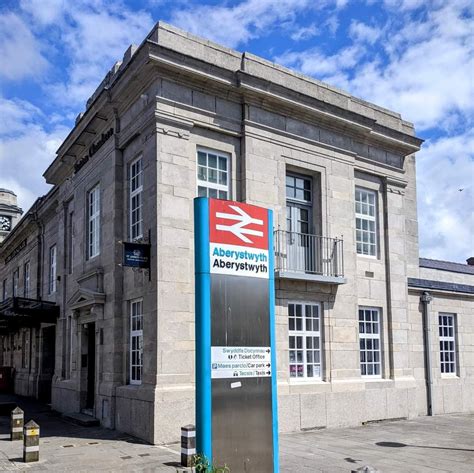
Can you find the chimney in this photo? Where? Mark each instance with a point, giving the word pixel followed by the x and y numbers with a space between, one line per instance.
pixel 470 261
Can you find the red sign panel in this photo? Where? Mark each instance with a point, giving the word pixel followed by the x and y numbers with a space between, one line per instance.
pixel 235 223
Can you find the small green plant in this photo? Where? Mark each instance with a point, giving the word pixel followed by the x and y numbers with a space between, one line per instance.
pixel 202 465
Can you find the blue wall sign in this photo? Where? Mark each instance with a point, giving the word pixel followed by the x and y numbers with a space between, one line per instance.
pixel 136 255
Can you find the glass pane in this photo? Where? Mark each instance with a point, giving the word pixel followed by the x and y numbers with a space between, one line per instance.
pixel 202 158
pixel 212 161
pixel 223 195
pixel 212 175
pixel 202 191
pixel 202 173
pixel 213 193
pixel 223 178
pixel 222 163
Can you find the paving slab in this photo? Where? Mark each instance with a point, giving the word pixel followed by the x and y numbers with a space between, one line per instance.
pixel 426 444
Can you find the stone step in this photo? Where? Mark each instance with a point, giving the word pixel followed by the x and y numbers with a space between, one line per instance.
pixel 81 419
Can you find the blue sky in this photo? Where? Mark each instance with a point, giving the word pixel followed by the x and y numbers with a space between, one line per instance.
pixel 412 56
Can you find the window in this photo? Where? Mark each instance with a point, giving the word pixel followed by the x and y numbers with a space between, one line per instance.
pixel 366 222
pixel 4 290
pixel 52 270
pixel 16 277
pixel 136 189
pixel 213 175
pixel 93 199
pixel 70 243
pixel 447 343
pixel 305 340
pixel 136 341
pixel 369 339
pixel 26 279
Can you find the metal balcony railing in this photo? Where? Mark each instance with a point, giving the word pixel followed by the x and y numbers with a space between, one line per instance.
pixel 308 254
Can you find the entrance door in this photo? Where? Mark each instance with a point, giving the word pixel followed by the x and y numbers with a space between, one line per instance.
pixel 299 209
pixel 48 346
pixel 90 397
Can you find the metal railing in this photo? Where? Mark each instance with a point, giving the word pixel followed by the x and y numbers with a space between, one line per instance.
pixel 310 254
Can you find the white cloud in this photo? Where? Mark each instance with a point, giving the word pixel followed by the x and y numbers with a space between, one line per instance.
pixel 445 212
pixel 20 51
pixel 239 23
pixel 361 32
pixel 26 149
pixel 45 12
pixel 314 62
pixel 428 76
pixel 305 32
pixel 92 36
pixel 404 5
pixel 249 19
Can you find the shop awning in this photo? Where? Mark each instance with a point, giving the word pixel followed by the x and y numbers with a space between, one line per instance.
pixel 18 312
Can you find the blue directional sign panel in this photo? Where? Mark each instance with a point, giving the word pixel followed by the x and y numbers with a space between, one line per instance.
pixel 236 395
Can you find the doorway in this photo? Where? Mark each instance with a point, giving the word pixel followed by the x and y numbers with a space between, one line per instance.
pixel 88 367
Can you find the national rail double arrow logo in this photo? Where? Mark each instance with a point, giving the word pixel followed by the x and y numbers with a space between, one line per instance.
pixel 243 219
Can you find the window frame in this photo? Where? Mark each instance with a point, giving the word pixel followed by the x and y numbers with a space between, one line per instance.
pixel 15 281
pixel 367 218
pixel 305 335
pixel 214 185
pixel 371 336
pixel 133 194
pixel 138 335
pixel 26 279
pixel 93 222
pixel 52 269
pixel 443 339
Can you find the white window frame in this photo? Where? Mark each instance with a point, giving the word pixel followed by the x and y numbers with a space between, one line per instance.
pixel 16 279
pixel 447 343
pixel 26 279
pixel 307 353
pixel 52 269
pixel 136 199
pixel 364 218
pixel 368 338
pixel 136 341
pixel 93 222
pixel 205 187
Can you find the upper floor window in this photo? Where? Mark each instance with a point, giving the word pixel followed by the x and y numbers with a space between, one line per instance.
pixel 370 343
pixel 213 174
pixel 305 340
pixel 447 343
pixel 26 279
pixel 136 199
pixel 93 217
pixel 136 341
pixel 4 290
pixel 16 277
pixel 366 222
pixel 52 270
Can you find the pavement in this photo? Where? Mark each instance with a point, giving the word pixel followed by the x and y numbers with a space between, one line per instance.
pixel 426 444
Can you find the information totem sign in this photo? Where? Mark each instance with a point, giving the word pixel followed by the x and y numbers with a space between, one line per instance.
pixel 236 394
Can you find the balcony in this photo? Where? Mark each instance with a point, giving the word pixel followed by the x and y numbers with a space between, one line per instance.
pixel 308 257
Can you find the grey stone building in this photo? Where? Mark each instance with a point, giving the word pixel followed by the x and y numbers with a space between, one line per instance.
pixel 180 117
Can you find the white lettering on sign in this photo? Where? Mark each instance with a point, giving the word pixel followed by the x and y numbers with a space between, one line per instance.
pixel 238 260
pixel 240 362
pixel 243 220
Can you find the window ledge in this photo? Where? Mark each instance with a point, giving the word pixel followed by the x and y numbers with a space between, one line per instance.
pixel 306 381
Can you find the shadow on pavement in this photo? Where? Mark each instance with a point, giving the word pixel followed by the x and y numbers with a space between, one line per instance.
pixel 400 445
pixel 52 424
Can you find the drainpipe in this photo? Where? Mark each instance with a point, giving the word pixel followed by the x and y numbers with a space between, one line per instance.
pixel 425 299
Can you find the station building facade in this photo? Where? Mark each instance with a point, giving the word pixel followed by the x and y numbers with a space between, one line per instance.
pixel 365 330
